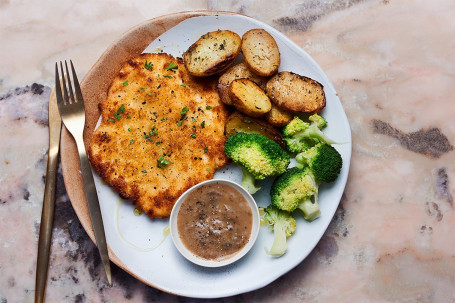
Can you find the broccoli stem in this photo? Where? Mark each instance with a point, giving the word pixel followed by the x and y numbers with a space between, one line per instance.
pixel 248 181
pixel 310 210
pixel 299 164
pixel 314 132
pixel 279 245
pixel 301 159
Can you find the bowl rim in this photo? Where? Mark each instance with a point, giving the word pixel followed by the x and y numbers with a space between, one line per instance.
pixel 185 252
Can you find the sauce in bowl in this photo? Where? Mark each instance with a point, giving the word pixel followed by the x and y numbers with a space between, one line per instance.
pixel 215 223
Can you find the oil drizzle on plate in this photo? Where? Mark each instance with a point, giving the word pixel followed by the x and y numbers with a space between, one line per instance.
pixel 166 231
pixel 263 221
pixel 137 211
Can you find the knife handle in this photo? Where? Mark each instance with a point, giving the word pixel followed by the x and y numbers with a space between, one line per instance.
pixel 47 220
pixel 94 208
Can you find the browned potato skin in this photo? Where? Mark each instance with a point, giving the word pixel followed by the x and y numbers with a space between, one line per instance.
pixel 238 122
pixel 249 98
pixel 278 117
pixel 296 93
pixel 212 53
pixel 238 71
pixel 261 53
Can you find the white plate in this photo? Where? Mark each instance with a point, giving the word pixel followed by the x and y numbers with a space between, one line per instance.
pixel 132 238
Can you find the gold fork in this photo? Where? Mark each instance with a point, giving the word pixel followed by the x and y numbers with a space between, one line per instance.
pixel 72 111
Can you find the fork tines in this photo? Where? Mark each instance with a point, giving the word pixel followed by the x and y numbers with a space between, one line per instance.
pixel 67 98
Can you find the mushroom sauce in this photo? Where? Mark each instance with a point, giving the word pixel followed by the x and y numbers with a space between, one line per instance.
pixel 215 221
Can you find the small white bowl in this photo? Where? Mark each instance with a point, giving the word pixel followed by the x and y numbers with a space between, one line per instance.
pixel 214 263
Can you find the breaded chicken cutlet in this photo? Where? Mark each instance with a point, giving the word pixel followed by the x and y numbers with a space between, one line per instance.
pixel 162 131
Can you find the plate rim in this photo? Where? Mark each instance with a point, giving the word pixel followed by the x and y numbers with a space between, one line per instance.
pixel 69 150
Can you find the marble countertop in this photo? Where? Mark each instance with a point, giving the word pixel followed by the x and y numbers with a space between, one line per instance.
pixel 393 66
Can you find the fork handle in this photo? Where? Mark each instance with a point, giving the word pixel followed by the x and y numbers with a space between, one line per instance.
pixel 94 208
pixel 47 220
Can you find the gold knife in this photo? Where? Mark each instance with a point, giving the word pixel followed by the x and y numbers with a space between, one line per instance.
pixel 47 215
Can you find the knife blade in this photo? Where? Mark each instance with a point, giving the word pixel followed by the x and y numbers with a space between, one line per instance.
pixel 47 214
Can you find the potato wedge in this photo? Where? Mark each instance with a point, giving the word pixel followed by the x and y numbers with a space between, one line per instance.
pixel 212 53
pixel 278 117
pixel 238 122
pixel 260 52
pixel 249 98
pixel 296 93
pixel 235 72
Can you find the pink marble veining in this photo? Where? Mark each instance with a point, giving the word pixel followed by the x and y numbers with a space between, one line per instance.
pixel 392 64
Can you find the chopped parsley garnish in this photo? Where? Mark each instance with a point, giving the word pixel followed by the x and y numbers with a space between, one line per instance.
pixel 144 171
pixel 131 141
pixel 158 87
pixel 150 94
pixel 203 124
pixel 130 130
pixel 194 120
pixel 110 120
pixel 207 169
pixel 125 83
pixel 183 84
pixel 183 112
pixel 208 107
pixel 166 76
pixel 206 149
pixel 154 131
pixel 193 135
pixel 158 143
pixel 142 89
pixel 164 119
pixel 162 163
pixel 172 66
pixel 128 117
pixel 119 111
pixel 148 65
pixel 179 123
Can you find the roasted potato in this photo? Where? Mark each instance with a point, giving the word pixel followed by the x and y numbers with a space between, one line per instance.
pixel 235 72
pixel 278 117
pixel 238 122
pixel 296 93
pixel 249 98
pixel 260 52
pixel 212 53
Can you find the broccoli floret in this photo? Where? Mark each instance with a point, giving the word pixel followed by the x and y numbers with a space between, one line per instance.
pixel 299 135
pixel 294 190
pixel 260 157
pixel 283 225
pixel 294 127
pixel 319 121
pixel 324 160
